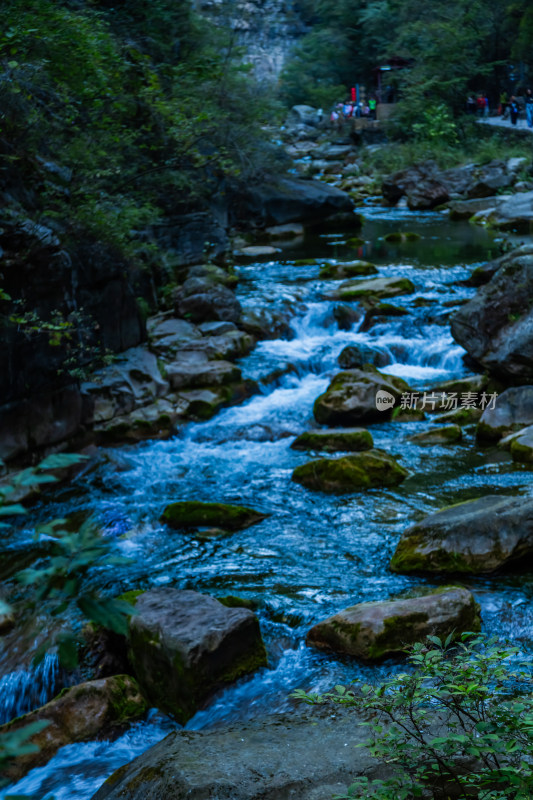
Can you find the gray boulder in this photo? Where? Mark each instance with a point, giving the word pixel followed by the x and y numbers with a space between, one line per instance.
pixel 352 398
pixel 293 200
pixel 193 369
pixel 371 631
pixel 513 410
pixel 496 326
pixel 355 356
pixel 476 537
pixel 348 440
pixel 514 213
pixel 185 645
pixel 200 300
pixel 281 758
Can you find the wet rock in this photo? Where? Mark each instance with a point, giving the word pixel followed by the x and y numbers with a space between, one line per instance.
pixel 464 209
pixel 274 759
pixel 155 421
pixel 479 536
pixel 513 410
pixel 340 439
pixel 292 200
pixel 216 328
pixel 289 231
pixel 374 288
pixel 199 300
pixel 229 345
pixel 521 447
pixel 211 273
pixel 185 645
pixel 351 398
pixel 461 416
pixel 347 269
pixel 264 323
pixel 78 714
pixel 377 312
pixel 448 434
pixel 346 316
pixel 399 237
pixel 372 631
pixel 420 183
pixel 167 334
pixel 367 470
pixel 482 274
pixel 514 213
pixel 193 514
pixel 355 356
pixel 202 404
pixel 258 250
pixel 193 369
pixel 496 326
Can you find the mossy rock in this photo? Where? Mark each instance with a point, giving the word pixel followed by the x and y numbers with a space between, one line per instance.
pixel 305 262
pixel 376 630
pixel 194 514
pixel 460 416
pixel 348 269
pixel 351 398
pixel 374 288
pixel 355 241
pixel 408 415
pixel 348 440
pixel 398 237
pixel 447 434
pixel 232 601
pixel 387 310
pixel 367 470
pixel 521 447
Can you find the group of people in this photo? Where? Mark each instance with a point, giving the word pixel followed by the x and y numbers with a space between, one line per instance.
pixel 351 108
pixel 508 108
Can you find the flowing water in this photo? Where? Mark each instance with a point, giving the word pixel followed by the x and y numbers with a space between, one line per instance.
pixel 314 554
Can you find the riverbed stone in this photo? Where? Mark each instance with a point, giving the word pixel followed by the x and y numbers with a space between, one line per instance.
pixel 155 421
pixel 464 209
pixel 204 403
pixel 228 346
pixel 77 714
pixel 200 300
pixel 355 356
pixel 184 646
pixel 339 439
pixel 282 757
pixel 366 470
pixel 460 416
pixel 514 213
pixel 446 434
pixel 194 369
pixel 375 630
pixel 476 537
pixel 521 446
pixel 347 269
pixel 195 514
pixel 373 288
pixel 351 398
pixel 166 334
pixel 266 323
pixel 512 411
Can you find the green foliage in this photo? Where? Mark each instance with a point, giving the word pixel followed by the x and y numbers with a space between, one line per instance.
pixel 14 744
pixel 460 724
pixel 437 123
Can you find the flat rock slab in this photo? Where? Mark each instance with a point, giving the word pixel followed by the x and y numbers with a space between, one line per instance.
pixel 185 645
pixel 368 470
pixel 376 287
pixel 194 514
pixel 371 631
pixel 447 434
pixel 282 758
pixel 347 269
pixel 480 536
pixel 349 440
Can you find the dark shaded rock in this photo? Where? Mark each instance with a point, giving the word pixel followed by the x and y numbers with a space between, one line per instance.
pixel 78 714
pixel 521 446
pixel 355 356
pixel 464 209
pixel 448 434
pixel 265 323
pixel 193 370
pixel 339 439
pixel 346 315
pixel 185 645
pixel 199 300
pixel 278 758
pixel 513 411
pixel 476 537
pixel 372 631
pixel 291 200
pixel 488 179
pixel 421 183
pixel 496 326
pixel 167 334
pixel 194 514
pixel 351 398
pixel 204 403
pixel 347 269
pixel 514 213
pixel 193 237
pixel 367 470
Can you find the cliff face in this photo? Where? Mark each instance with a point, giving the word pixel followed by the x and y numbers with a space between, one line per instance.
pixel 266 29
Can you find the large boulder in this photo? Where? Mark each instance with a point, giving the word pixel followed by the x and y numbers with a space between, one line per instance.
pixel 496 326
pixel 185 645
pixel 465 209
pixel 291 200
pixel 490 178
pixel 167 334
pixel 521 446
pixel 78 714
pixel 514 213
pixel 366 470
pixel 266 323
pixel 278 758
pixel 479 536
pixel 194 514
pixel 421 183
pixel 347 269
pixel 349 440
pixel 385 628
pixel 201 300
pixel 355 356
pixel 512 411
pixel 193 369
pixel 447 434
pixel 352 398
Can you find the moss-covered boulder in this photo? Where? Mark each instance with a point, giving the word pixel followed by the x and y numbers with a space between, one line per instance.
pixel 349 440
pixel 371 631
pixel 367 470
pixel 353 398
pixel 347 269
pixel 184 646
pixel 460 416
pixel 447 434
pixel 355 356
pixel 374 288
pixel 204 403
pixel 476 537
pixel 512 411
pixel 521 446
pixel 194 514
pixel 398 237
pixel 77 714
